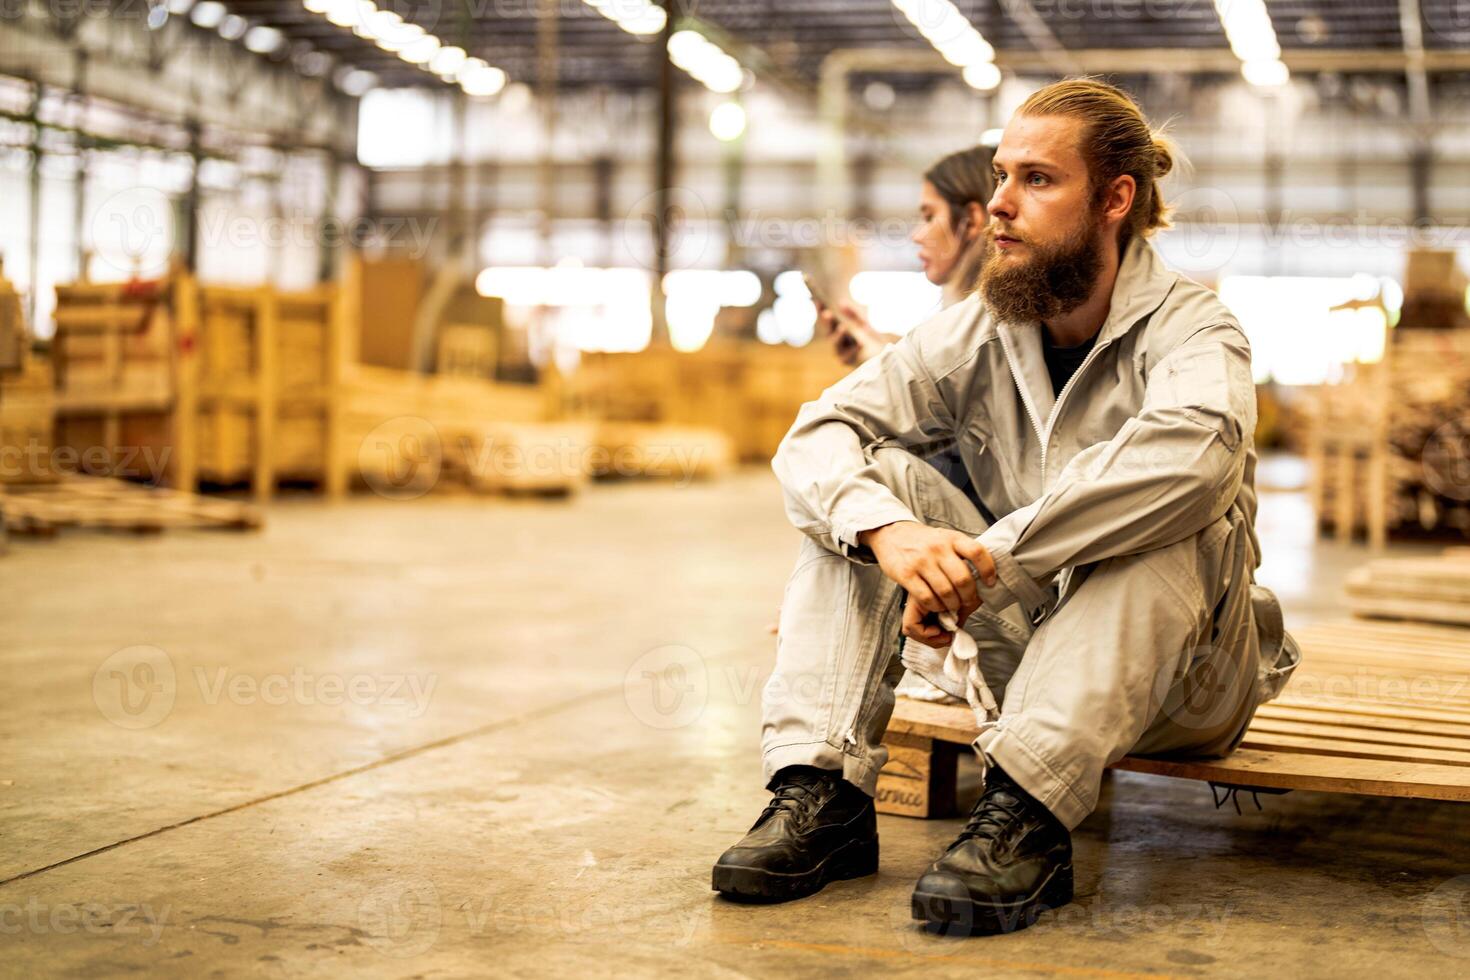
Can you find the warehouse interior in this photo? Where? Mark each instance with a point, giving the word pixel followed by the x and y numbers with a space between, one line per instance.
pixel 391 556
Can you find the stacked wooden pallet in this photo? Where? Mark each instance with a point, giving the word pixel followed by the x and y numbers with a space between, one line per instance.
pixel 42 509
pixel 1432 589
pixel 262 386
pixel 27 422
pixel 482 432
pixel 1380 709
pixel 749 392
pixel 1390 448
pixel 27 399
pixel 116 369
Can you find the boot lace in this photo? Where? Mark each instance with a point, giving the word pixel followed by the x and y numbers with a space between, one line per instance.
pixel 995 812
pixel 793 796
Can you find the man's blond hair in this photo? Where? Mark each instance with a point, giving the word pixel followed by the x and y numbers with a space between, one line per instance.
pixel 1116 140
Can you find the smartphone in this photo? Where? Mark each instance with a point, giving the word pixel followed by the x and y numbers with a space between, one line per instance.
pixel 846 344
pixel 817 294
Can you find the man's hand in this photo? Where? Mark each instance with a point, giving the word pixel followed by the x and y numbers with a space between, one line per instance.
pixel 930 563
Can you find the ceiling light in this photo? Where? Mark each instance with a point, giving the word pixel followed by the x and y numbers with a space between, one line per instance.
pixel 233 27
pixel 343 13
pixel 482 81
pixel 263 40
pixel 447 61
pixel 356 82
pixel 207 14
pixel 420 50
pixel 983 76
pixel 727 121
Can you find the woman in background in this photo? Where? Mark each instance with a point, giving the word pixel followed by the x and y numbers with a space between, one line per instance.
pixel 951 241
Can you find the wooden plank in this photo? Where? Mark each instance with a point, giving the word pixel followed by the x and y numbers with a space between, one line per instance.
pixel 1394 739
pixel 1459 728
pixel 1338 746
pixel 1374 709
pixel 1319 773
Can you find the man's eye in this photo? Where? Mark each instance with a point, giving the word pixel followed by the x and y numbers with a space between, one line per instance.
pixel 1038 177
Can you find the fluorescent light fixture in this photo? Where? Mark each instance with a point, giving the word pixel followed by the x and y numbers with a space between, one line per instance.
pixel 638 17
pixel 447 61
pixel 727 122
pixel 982 75
pixel 343 13
pixel 420 51
pixel 233 27
pixel 482 82
pixel 263 40
pixel 955 38
pixel 705 62
pixel 207 14
pixel 1265 74
pixel 417 46
pixel 356 82
pixel 1252 37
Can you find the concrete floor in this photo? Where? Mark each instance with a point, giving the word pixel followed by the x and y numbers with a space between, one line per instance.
pixel 424 739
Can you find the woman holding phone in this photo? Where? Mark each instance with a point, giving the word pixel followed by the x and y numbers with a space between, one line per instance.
pixel 951 240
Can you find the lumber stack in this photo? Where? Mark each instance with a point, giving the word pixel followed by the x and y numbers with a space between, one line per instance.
pixel 1431 589
pixel 1389 448
pixel 747 391
pixel 397 422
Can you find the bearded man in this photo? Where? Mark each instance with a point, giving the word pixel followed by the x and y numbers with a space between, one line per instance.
pixel 1104 408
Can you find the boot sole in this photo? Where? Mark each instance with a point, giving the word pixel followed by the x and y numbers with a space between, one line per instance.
pixel 991 918
pixel 855 859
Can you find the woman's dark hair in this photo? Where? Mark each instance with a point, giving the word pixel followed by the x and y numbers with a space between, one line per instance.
pixel 963 177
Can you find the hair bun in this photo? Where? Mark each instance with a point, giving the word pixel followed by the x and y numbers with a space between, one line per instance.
pixel 1163 157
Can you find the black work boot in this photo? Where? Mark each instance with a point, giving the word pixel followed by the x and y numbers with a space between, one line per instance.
pixel 1012 861
pixel 817 828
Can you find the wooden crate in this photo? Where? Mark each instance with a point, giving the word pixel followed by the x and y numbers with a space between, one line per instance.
pixel 117 381
pixel 1377 709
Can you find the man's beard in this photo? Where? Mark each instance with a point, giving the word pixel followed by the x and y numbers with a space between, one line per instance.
pixel 1053 281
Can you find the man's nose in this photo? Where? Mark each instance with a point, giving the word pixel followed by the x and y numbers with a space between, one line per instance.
pixel 1000 205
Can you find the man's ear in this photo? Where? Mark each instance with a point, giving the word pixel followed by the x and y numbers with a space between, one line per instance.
pixel 1119 199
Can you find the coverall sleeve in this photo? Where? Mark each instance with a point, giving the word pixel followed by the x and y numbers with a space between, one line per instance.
pixel 831 484
pixel 1168 473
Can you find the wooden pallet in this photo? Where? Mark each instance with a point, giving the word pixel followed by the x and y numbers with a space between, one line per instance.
pixel 1375 709
pixel 101 503
pixel 1433 589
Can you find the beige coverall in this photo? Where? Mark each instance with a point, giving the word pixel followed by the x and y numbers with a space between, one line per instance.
pixel 1125 619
